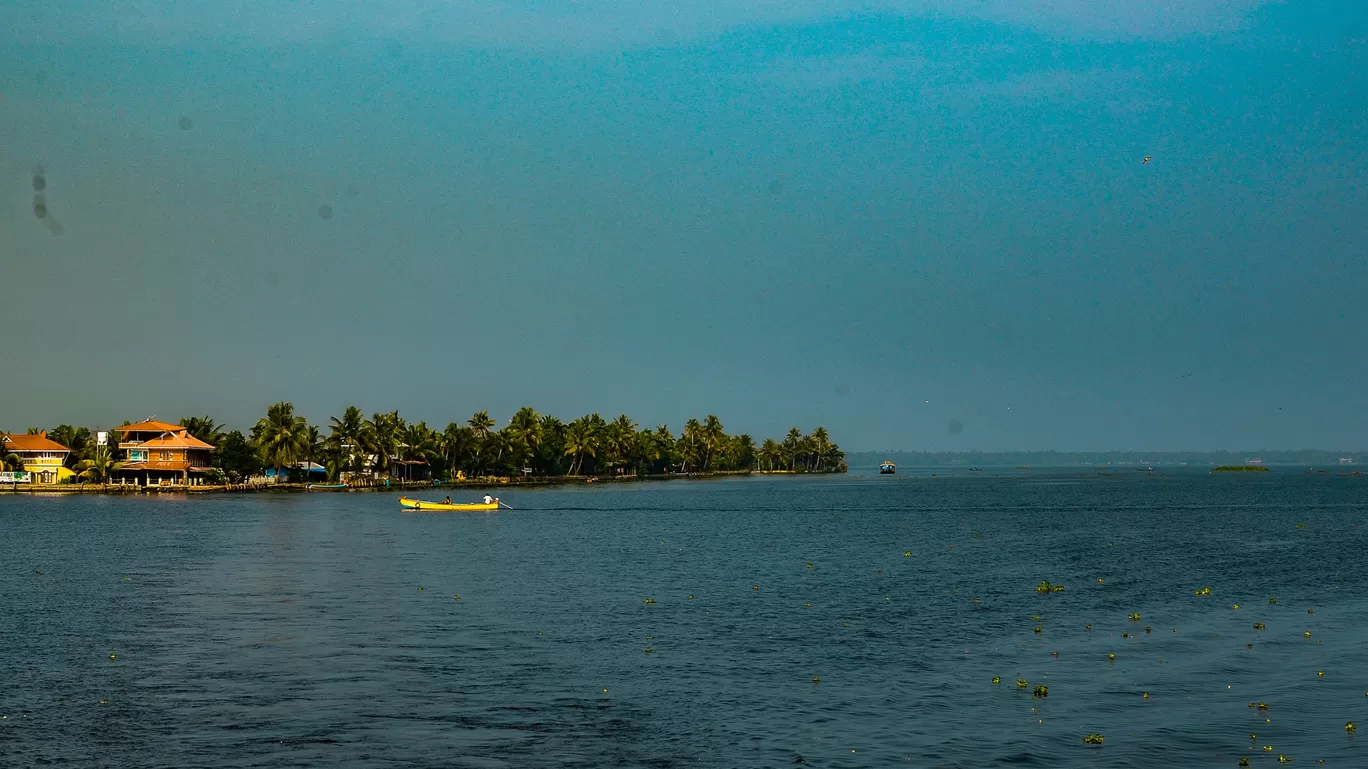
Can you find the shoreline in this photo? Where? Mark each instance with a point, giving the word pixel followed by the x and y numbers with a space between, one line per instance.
pixel 396 486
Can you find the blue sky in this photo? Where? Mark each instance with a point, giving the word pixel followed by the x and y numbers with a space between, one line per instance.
pixel 879 217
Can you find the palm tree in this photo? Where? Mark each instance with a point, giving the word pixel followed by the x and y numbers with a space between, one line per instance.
pixel 771 454
pixel 347 434
pixel 620 441
pixel 581 440
pixel 792 446
pixel 204 428
pixel 525 427
pixel 313 443
pixel 100 467
pixel 281 437
pixel 383 436
pixel 480 423
pixel 742 452
pixel 76 439
pixel 690 448
pixel 550 444
pixel 711 436
pixel 821 446
pixel 458 445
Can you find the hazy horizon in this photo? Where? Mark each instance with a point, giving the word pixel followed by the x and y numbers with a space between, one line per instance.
pixel 923 225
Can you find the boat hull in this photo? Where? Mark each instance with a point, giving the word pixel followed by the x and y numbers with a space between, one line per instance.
pixel 419 505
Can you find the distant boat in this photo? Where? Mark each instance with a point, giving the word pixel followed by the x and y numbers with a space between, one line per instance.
pixel 326 486
pixel 976 469
pixel 887 468
pixel 418 504
pixel 1145 469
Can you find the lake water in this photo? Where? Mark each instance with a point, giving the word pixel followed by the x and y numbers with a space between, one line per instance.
pixel 322 630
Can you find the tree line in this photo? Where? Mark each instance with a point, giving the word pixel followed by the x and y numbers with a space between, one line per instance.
pixel 531 443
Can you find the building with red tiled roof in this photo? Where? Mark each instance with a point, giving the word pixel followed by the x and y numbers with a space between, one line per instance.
pixel 158 453
pixel 43 458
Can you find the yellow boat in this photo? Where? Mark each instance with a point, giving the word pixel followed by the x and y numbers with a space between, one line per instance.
pixel 418 504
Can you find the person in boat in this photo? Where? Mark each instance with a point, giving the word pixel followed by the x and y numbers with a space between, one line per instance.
pixel 447 501
pixel 488 500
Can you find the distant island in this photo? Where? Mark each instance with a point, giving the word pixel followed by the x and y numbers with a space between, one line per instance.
pixel 355 451
pixel 1240 469
pixel 1124 458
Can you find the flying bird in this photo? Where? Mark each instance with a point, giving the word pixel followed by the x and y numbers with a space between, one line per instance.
pixel 1146 160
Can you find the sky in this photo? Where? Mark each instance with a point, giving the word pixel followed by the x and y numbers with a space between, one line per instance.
pixel 923 224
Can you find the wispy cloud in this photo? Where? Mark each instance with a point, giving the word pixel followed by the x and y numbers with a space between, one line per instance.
pixel 587 24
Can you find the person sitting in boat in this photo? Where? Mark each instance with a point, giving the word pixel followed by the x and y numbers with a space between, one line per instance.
pixel 488 500
pixel 446 501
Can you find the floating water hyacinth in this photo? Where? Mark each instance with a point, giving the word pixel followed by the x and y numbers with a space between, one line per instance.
pixel 1133 616
pixel 997 679
pixel 1041 692
pixel 1094 739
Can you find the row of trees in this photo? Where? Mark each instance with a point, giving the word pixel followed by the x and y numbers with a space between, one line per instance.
pixel 533 443
pixel 530 443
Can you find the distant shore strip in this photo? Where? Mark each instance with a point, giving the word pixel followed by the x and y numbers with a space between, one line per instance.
pixel 283 450
pixel 381 486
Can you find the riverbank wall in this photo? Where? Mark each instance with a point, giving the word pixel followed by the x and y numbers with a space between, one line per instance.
pixel 392 486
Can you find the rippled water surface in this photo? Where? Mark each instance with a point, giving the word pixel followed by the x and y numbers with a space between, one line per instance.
pixel 322 629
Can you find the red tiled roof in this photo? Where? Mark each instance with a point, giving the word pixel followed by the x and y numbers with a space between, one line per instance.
pixel 179 440
pixel 39 442
pixel 150 426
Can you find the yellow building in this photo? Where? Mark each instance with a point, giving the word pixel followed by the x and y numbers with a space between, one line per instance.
pixel 43 459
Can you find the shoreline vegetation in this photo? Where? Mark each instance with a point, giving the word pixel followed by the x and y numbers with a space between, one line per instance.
pixel 379 486
pixel 284 452
pixel 1239 469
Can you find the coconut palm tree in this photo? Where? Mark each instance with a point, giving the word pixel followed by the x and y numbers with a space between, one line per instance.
pixel 712 436
pixel 281 437
pixel 204 428
pixel 771 454
pixel 821 447
pixel 383 436
pixel 481 424
pixel 550 453
pixel 581 440
pixel 347 434
pixel 100 467
pixel 742 451
pixel 792 445
pixel 77 440
pixel 525 426
pixel 619 442
pixel 458 446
